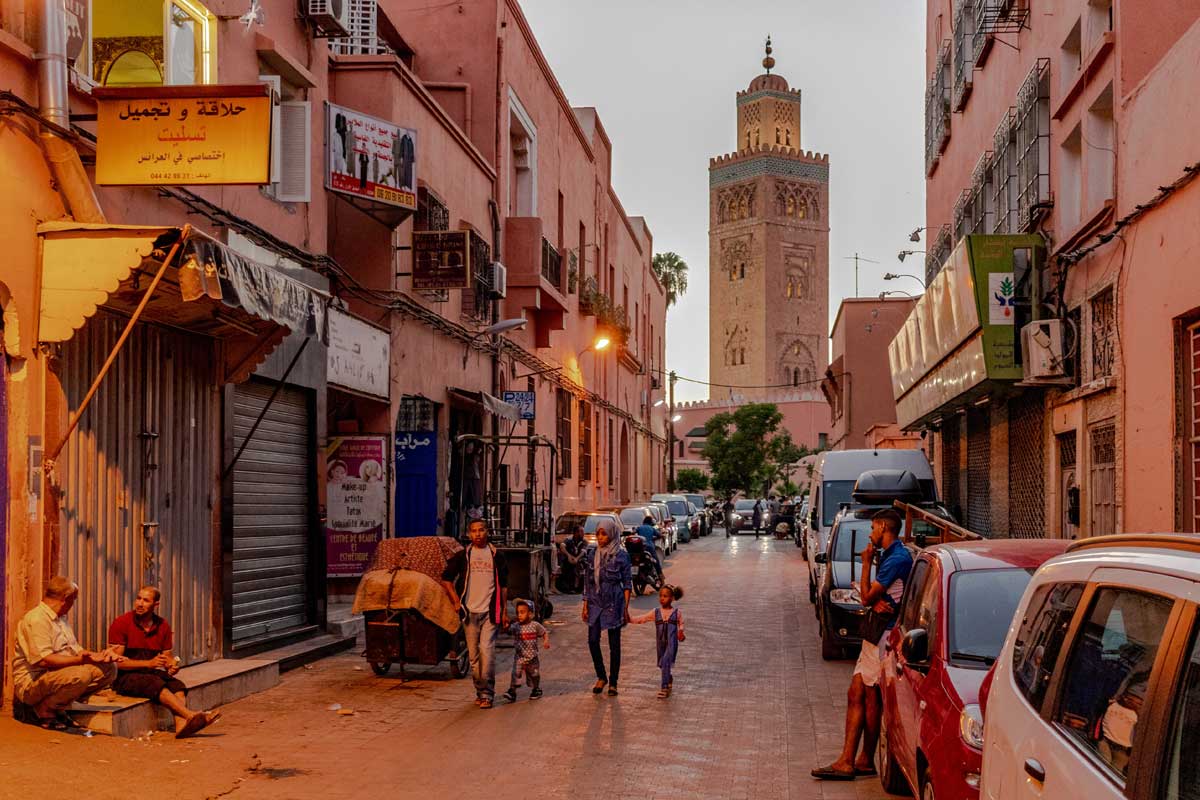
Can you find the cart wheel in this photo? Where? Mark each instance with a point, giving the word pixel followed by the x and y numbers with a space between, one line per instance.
pixel 545 608
pixel 460 666
pixel 381 668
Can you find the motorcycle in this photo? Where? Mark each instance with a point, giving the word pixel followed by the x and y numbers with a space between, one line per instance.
pixel 645 570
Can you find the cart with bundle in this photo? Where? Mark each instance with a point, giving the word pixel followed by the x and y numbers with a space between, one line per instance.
pixel 408 616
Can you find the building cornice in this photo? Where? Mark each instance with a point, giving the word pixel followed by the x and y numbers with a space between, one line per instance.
pixel 768 160
pixel 791 96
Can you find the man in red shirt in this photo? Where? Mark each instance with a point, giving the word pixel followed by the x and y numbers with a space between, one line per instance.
pixel 148 669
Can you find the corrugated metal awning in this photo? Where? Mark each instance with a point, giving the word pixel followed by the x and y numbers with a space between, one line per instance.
pixel 85 266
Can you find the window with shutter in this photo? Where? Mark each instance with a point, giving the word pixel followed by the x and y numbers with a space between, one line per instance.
pixel 295 148
pixel 276 84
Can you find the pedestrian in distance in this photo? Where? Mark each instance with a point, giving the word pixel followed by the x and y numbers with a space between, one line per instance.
pixel 148 670
pixel 728 507
pixel 526 633
pixel 570 554
pixel 608 582
pixel 668 633
pixel 881 597
pixel 758 516
pixel 476 579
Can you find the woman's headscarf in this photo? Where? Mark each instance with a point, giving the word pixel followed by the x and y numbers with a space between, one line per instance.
pixel 606 553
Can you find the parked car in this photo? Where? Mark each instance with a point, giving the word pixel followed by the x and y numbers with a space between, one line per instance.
pixel 589 519
pixel 632 516
pixel 702 512
pixel 958 604
pixel 681 510
pixel 833 479
pixel 1096 693
pixel 800 529
pixel 666 524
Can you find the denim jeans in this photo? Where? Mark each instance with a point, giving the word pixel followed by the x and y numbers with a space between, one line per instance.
pixel 614 653
pixel 481 648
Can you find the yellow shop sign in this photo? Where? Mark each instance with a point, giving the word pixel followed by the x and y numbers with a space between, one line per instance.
pixel 182 135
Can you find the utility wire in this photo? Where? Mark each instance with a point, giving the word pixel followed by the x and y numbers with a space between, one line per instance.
pixel 813 382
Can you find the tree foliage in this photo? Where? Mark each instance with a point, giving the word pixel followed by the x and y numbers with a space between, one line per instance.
pixel 743 448
pixel 672 273
pixel 690 481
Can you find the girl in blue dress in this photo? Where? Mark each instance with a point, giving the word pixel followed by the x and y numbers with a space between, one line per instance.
pixel 668 629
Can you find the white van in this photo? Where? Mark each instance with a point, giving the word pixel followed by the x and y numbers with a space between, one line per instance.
pixel 832 482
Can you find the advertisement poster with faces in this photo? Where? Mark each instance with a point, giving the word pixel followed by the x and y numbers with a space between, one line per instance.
pixel 370 158
pixel 357 502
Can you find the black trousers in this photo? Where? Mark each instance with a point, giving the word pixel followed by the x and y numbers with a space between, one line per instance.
pixel 614 653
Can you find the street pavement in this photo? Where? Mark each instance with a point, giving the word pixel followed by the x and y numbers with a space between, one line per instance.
pixel 753 710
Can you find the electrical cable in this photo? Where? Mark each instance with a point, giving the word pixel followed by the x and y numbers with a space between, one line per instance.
pixel 815 381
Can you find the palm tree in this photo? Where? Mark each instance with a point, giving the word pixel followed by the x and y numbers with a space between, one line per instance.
pixel 671 271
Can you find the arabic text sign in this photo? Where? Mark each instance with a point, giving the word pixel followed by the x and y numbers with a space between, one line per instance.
pixel 526 402
pixel 183 135
pixel 357 502
pixel 441 260
pixel 370 158
pixel 358 355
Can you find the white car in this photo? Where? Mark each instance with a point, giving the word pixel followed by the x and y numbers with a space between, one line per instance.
pixel 1096 693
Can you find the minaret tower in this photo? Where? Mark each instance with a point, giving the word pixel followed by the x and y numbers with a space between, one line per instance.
pixel 768 248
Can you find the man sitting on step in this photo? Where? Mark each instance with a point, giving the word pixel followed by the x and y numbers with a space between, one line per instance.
pixel 50 669
pixel 148 670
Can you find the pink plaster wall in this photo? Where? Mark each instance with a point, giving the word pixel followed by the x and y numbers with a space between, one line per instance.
pixel 862 331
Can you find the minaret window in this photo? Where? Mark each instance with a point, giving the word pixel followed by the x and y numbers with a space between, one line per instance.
pixel 802 209
pixel 747 140
pixel 791 206
pixel 778 136
pixel 795 377
pixel 742 270
pixel 742 356
pixel 787 135
pixel 757 138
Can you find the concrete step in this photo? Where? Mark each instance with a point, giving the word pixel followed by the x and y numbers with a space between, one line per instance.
pixel 340 622
pixel 210 684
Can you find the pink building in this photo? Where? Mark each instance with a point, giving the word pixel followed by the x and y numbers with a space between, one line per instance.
pixel 1070 120
pixel 200 464
pixel 857 383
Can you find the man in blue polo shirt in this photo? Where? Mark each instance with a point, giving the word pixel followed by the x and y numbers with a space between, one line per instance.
pixel 882 596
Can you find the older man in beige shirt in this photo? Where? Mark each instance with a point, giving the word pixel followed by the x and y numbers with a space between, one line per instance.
pixel 50 669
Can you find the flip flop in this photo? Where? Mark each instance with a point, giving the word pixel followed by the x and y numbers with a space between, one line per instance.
pixel 830 774
pixel 51 724
pixel 193 725
pixel 868 772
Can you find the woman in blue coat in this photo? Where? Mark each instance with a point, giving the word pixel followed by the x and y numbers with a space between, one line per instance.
pixel 608 581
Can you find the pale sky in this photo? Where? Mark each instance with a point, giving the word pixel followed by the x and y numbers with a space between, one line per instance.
pixel 663 75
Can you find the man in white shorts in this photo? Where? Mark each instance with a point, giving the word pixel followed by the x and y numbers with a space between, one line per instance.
pixel 881 595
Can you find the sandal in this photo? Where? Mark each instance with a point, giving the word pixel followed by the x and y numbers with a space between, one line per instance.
pixel 831 774
pixel 612 690
pixel 485 702
pixel 663 694
pixel 599 687
pixel 51 724
pixel 193 725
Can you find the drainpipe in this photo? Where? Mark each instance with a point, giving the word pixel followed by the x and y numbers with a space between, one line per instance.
pixel 54 105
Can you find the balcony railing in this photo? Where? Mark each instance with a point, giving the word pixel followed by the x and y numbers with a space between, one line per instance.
pixel 939 251
pixel 937 109
pixel 1033 146
pixel 552 265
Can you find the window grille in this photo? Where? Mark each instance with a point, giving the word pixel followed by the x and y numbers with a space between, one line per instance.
pixel 1004 174
pixel 981 198
pixel 551 264
pixel 1103 334
pixel 937 109
pixel 432 213
pixel 964 52
pixel 1033 145
pixel 1067 450
pixel 585 441
pixel 962 215
pixel 994 17
pixel 1102 483
pixel 1073 345
pixel 476 303
pixel 416 414
pixel 364 36
pixel 563 442
pixel 939 251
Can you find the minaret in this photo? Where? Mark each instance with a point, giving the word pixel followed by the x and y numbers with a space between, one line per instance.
pixel 768 248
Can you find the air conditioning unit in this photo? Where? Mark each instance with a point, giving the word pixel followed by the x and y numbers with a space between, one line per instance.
pixel 499 280
pixel 1042 351
pixel 329 17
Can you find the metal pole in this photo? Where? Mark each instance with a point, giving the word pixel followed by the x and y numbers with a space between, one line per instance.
pixel 671 377
pixel 48 464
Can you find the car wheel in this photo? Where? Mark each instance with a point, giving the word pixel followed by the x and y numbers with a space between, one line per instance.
pixel 830 649
pixel 381 668
pixel 812 590
pixel 926 786
pixel 885 764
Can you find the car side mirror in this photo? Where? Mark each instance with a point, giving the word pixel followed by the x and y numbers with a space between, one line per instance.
pixel 915 647
pixel 821 558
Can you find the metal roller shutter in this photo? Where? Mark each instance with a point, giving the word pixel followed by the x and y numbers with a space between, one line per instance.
pixel 979 463
pixel 1026 467
pixel 272 511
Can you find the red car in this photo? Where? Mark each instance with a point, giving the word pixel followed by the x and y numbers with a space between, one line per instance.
pixel 958 604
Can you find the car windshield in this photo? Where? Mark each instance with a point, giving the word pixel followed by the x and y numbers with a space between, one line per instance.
pixel 744 505
pixel 982 605
pixel 679 508
pixel 695 500
pixel 850 539
pixel 633 516
pixel 833 494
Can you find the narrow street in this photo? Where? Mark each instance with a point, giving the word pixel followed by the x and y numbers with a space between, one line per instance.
pixel 754 708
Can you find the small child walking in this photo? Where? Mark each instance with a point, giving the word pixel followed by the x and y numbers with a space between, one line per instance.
pixel 526 633
pixel 668 629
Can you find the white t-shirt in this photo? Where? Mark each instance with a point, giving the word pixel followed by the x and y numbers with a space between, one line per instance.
pixel 481 583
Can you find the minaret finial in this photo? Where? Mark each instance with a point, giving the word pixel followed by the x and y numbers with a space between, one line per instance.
pixel 768 61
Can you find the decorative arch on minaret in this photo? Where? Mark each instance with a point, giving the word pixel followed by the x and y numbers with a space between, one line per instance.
pixel 796 366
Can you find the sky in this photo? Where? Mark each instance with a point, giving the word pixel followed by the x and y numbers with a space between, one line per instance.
pixel 663 75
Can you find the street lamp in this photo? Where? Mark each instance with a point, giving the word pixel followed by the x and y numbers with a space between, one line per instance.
pixel 676 418
pixel 601 342
pixel 883 295
pixel 498 328
pixel 915 236
pixel 891 276
pixel 905 253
